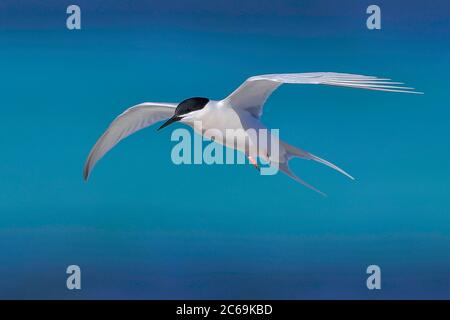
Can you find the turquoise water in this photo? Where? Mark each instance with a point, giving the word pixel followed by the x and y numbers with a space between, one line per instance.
pixel 145 228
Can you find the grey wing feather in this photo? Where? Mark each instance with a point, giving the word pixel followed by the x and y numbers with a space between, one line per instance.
pixel 133 119
pixel 253 93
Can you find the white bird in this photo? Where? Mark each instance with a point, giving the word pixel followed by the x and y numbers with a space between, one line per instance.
pixel 242 109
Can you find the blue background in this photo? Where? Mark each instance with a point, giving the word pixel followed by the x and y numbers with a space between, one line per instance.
pixel 145 228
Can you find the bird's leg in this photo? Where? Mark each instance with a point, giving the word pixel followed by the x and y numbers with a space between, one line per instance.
pixel 254 162
pixel 268 159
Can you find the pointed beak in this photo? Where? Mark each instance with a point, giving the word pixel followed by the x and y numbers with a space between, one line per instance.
pixel 174 118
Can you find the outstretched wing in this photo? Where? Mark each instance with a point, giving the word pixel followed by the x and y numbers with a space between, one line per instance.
pixel 253 93
pixel 133 119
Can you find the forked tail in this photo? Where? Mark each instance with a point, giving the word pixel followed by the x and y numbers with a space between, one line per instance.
pixel 292 152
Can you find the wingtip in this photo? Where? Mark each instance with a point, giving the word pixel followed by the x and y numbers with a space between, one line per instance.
pixel 351 177
pixel 85 174
pixel 411 91
pixel 323 194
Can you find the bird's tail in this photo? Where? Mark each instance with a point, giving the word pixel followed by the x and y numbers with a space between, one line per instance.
pixel 292 152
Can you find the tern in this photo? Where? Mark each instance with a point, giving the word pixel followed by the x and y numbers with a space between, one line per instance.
pixel 242 109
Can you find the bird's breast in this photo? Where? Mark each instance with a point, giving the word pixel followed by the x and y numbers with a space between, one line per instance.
pixel 229 128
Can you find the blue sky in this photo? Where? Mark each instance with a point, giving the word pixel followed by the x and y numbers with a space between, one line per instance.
pixel 145 228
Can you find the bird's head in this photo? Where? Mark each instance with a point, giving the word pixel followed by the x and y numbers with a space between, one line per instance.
pixel 186 110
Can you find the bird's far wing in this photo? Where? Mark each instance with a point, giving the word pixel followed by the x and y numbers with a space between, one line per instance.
pixel 253 93
pixel 133 119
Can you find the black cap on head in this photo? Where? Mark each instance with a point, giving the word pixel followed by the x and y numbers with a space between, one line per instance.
pixel 185 107
pixel 191 104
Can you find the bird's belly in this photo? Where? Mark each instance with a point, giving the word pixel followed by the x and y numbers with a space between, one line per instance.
pixel 224 127
pixel 234 139
pixel 236 131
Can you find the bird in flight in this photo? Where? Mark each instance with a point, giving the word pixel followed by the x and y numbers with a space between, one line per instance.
pixel 242 109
